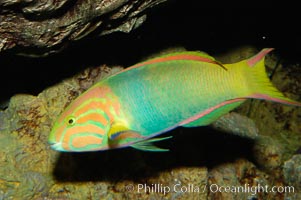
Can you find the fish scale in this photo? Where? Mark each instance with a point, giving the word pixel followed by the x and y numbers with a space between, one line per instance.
pixel 172 93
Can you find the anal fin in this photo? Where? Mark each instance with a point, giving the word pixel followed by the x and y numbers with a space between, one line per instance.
pixel 208 118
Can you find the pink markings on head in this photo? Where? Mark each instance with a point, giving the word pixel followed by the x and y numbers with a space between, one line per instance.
pixel 82 141
pixel 255 59
pixel 93 92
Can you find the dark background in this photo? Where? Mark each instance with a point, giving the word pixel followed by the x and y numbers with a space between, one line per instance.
pixel 211 27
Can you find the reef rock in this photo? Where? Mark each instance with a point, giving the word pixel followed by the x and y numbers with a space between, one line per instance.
pixel 292 176
pixel 36 28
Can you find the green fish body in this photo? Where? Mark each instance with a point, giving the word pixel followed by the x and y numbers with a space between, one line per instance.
pixel 180 89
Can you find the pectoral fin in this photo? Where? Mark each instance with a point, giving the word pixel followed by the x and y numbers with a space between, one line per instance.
pixel 146 145
pixel 120 131
pixel 120 135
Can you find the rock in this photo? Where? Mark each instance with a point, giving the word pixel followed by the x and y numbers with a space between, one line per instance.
pixel 268 154
pixel 236 124
pixel 242 180
pixel 292 177
pixel 40 28
pixel 27 153
pixel 241 173
pixel 292 172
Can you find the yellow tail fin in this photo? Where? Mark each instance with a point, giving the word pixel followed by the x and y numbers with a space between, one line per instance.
pixel 259 84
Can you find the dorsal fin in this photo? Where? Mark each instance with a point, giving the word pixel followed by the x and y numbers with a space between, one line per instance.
pixel 185 55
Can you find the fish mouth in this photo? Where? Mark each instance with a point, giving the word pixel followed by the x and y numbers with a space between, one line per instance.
pixel 56 146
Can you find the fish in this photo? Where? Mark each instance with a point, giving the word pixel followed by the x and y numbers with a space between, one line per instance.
pixel 132 107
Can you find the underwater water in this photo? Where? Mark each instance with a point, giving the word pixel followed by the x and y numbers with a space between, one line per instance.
pixel 203 162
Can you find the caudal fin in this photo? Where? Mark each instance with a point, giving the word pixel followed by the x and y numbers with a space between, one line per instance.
pixel 260 85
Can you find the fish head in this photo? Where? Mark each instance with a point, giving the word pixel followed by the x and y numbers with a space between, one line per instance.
pixel 83 126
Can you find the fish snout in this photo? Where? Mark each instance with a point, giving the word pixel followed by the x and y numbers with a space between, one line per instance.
pixel 57 146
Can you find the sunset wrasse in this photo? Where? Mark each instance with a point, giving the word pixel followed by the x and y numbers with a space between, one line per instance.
pixel 152 97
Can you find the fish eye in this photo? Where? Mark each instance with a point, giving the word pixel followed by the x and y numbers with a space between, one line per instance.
pixel 70 121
